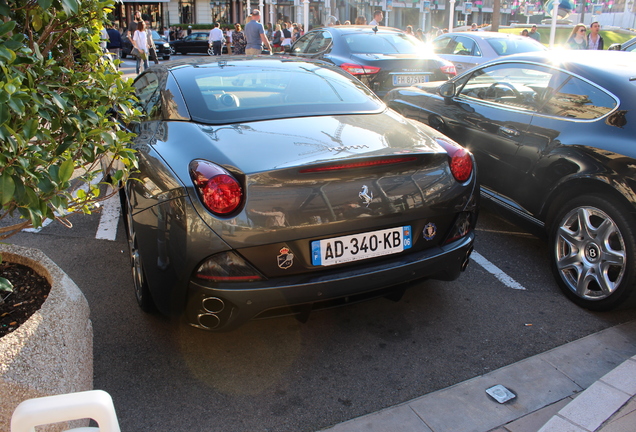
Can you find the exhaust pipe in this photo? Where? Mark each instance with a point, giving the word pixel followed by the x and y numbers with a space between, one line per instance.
pixel 212 307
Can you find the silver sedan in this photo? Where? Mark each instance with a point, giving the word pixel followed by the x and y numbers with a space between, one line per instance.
pixel 469 49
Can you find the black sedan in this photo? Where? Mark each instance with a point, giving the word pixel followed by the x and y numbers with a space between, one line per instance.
pixel 271 186
pixel 381 57
pixel 196 42
pixel 553 136
pixel 161 44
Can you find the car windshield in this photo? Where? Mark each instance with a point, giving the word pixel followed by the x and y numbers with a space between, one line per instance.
pixel 384 43
pixel 221 93
pixel 506 46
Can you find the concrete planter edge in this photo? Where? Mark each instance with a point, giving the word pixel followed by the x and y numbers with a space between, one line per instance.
pixel 52 352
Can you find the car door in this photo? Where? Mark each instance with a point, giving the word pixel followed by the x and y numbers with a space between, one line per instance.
pixel 490 115
pixel 568 116
pixel 300 47
pixel 462 51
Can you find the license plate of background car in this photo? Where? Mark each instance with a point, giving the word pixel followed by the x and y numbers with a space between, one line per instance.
pixel 361 246
pixel 402 80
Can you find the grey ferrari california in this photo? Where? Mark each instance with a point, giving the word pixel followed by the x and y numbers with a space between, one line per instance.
pixel 270 186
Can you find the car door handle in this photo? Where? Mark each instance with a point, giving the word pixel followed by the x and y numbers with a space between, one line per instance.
pixel 459 66
pixel 509 131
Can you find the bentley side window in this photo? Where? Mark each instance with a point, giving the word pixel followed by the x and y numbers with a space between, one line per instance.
pixel 578 99
pixel 517 86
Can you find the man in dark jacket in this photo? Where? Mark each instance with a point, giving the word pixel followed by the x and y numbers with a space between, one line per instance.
pixel 114 41
pixel 594 39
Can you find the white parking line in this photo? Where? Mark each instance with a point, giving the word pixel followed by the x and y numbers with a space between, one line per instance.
pixel 496 271
pixel 107 229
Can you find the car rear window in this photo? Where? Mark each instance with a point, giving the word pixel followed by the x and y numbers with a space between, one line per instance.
pixel 236 93
pixel 384 43
pixel 505 46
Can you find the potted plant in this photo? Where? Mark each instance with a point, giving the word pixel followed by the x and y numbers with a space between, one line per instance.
pixel 57 94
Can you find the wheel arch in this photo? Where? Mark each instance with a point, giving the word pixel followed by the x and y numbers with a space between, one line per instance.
pixel 565 191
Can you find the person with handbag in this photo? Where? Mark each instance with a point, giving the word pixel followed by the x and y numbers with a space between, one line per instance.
pixel 277 38
pixel 152 49
pixel 140 46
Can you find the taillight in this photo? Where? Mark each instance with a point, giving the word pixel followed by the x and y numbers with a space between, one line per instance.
pixel 448 69
pixel 227 267
pixel 461 163
pixel 355 69
pixel 219 191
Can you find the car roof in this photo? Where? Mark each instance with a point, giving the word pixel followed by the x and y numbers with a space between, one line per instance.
pixel 236 60
pixel 342 29
pixel 484 35
pixel 593 63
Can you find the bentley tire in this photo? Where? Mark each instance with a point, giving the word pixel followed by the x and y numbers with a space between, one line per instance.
pixel 592 242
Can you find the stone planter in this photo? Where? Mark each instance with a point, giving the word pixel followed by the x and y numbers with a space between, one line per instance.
pixel 52 352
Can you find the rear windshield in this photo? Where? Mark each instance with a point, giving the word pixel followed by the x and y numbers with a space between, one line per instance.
pixel 384 43
pixel 507 46
pixel 236 93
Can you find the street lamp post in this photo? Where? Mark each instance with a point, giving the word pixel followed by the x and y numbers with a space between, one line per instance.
pixel 451 15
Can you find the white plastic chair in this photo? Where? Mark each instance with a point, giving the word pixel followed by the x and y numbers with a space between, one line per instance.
pixel 94 404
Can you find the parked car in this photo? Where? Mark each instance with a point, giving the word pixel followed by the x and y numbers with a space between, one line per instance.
pixel 196 42
pixel 272 185
pixel 630 45
pixel 469 49
pixel 553 136
pixel 381 57
pixel 161 44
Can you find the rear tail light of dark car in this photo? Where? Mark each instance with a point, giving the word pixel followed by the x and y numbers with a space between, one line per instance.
pixel 461 163
pixel 219 191
pixel 449 69
pixel 356 69
pixel 227 267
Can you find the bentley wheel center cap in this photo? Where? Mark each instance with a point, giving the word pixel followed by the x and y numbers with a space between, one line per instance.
pixel 592 252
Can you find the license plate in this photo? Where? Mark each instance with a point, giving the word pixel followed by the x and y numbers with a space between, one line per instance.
pixel 361 246
pixel 402 80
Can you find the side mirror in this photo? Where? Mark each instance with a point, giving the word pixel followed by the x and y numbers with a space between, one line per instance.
pixel 447 89
pixel 615 47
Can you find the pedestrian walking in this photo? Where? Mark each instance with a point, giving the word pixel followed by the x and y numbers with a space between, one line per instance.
pixel 534 34
pixel 255 35
pixel 216 39
pixel 140 41
pixel 577 39
pixel 238 39
pixel 378 16
pixel 152 49
pixel 133 25
pixel 114 41
pixel 594 39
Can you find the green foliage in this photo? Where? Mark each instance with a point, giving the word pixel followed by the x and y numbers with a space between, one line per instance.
pixel 57 93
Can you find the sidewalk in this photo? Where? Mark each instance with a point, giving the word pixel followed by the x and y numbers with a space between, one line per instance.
pixel 583 386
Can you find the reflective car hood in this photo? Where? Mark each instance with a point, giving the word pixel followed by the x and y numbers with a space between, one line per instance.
pixel 287 199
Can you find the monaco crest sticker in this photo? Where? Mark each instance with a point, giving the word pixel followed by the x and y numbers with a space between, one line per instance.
pixel 285 259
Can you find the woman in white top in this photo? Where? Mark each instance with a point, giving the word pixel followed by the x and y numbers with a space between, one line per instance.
pixel 140 41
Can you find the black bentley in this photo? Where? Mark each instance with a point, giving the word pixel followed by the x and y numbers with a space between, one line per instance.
pixel 553 136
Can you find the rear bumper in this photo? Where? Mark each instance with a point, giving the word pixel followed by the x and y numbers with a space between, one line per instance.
pixel 225 309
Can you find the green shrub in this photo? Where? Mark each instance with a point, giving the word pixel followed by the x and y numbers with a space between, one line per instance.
pixel 57 91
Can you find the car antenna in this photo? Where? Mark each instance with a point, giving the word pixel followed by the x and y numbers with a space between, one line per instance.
pixel 375 29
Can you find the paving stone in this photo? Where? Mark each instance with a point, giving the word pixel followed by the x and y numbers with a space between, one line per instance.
pixel 623 377
pixel 396 419
pixel 464 407
pixel 534 421
pixel 594 406
pixel 588 359
pixel 557 424
pixel 535 382
pixel 623 421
